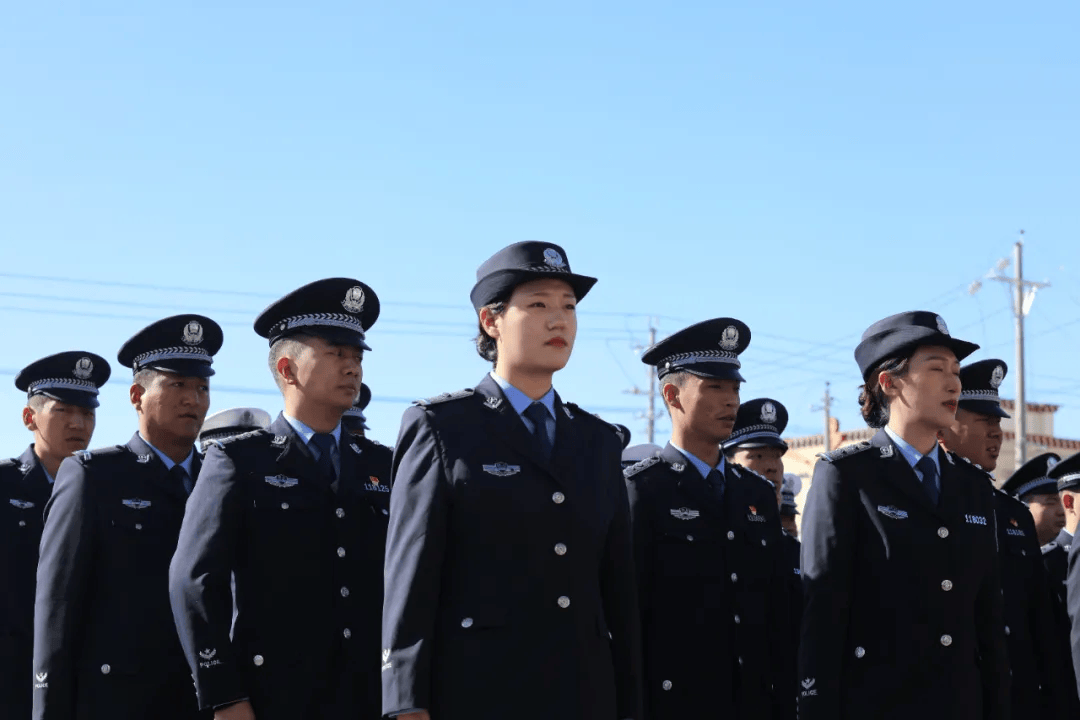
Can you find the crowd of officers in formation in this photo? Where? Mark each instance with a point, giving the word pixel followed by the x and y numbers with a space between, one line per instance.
pixel 501 562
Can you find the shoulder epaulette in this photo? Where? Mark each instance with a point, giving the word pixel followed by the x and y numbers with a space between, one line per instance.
pixel 85 455
pixel 446 397
pixel 9 462
pixel 845 451
pixel 572 410
pixel 1049 547
pixel 975 466
pixel 640 465
pixel 222 442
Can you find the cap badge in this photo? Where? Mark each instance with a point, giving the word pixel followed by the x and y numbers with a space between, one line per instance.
pixel 354 299
pixel 554 259
pixel 997 376
pixel 729 339
pixel 193 333
pixel 1050 463
pixel 768 413
pixel 84 368
pixel 941 326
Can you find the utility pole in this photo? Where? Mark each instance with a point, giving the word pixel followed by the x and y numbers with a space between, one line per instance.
pixel 1023 292
pixel 650 414
pixel 826 405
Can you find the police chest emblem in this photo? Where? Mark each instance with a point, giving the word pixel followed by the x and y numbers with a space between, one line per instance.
pixel 84 368
pixel 142 458
pixel 386 664
pixel 355 448
pixel 354 299
pixel 493 402
pixel 768 413
pixel 41 677
pixel 678 467
pixel 729 339
pixel 808 687
pixel 281 481
pixel 501 469
pixel 136 503
pixel 997 376
pixel 279 440
pixel 941 326
pixel 193 333
pixel 208 656
pixel 21 504
pixel 891 511
pixel 684 513
pixel 886 451
pixel 554 259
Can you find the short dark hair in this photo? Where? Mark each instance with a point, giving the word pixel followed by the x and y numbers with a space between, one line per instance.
pixel 145 378
pixel 678 379
pixel 486 346
pixel 872 401
pixel 290 346
pixel 36 402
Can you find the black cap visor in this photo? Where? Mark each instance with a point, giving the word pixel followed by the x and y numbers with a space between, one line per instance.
pixel 983 407
pixel 184 368
pixel 712 371
pixel 499 286
pixel 71 397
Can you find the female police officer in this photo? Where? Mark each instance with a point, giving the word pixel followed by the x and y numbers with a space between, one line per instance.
pixel 903 610
pixel 509 580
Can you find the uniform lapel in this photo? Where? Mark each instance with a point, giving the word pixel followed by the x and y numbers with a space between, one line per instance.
pixel 567 451
pixel 503 422
pixel 35 484
pixel 952 491
pixel 690 481
pixel 295 458
pixel 899 474
pixel 155 470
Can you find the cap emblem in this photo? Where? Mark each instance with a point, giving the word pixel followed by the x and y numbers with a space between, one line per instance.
pixel 997 376
pixel 729 339
pixel 354 299
pixel 941 326
pixel 1050 463
pixel 554 259
pixel 193 333
pixel 768 413
pixel 84 368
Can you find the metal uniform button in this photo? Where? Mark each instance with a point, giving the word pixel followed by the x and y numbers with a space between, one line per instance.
pixel 22 523
pixel 689 538
pixel 466 623
pixel 860 652
pixel 946 640
pixel 258 660
pixel 946 585
pixel 1007 630
pixel 943 532
pixel 344 592
pixel 666 685
pixel 738 619
pixel 560 549
pixel 558 498
pixel 734 577
pixel 564 602
pixel 764 543
pixel 730 535
pixel 340 512
pixel 284 506
pixel 138 526
pixel 347 633
pixel 341 552
pixel 105 669
pixel 740 661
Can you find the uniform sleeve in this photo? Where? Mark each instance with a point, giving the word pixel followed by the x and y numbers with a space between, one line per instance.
pixel 620 599
pixel 64 577
pixel 1043 631
pixel 415 546
pixel 643 542
pixel 990 631
pixel 782 643
pixel 200 577
pixel 828 550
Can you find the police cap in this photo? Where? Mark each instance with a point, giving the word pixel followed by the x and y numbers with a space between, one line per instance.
pixel 181 344
pixel 902 333
pixel 758 423
pixel 520 263
pixel 980 381
pixel 71 377
pixel 339 310
pixel 1033 477
pixel 708 349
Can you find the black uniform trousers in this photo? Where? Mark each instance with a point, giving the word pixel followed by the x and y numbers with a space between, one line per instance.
pixel 307 556
pixel 105 645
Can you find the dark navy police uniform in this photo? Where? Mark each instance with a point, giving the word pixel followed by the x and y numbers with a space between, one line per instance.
pixel 105 645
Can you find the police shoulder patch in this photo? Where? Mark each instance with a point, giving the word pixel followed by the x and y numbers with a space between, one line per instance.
pixel 232 439
pixel 446 397
pixel 845 451
pixel 640 465
pixel 112 450
pixel 1049 547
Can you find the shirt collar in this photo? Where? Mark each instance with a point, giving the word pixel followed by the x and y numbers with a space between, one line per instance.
pixel 910 453
pixel 519 400
pixel 700 464
pixel 307 433
pixel 186 464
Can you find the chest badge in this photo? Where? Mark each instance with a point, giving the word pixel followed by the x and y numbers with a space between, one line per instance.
pixel 501 469
pixel 886 451
pixel 143 458
pixel 684 513
pixel 893 512
pixel 355 448
pixel 136 503
pixel 373 485
pixel 281 481
pixel 678 467
pixel 21 504
pixel 753 516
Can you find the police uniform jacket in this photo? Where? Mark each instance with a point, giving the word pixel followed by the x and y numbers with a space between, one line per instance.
pixel 902 612
pixel 105 645
pixel 1055 555
pixel 307 557
pixel 792 560
pixel 24 490
pixel 1038 683
pixel 510 585
pixel 714 592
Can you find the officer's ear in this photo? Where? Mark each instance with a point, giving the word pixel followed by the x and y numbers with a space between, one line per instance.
pixel 670 391
pixel 286 370
pixel 28 419
pixel 135 394
pixel 488 317
pixel 1068 500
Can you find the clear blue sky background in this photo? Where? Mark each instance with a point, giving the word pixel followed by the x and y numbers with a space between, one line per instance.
pixel 808 169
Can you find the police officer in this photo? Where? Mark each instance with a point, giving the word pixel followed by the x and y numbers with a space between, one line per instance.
pixel 353 421
pixel 1056 561
pixel 234 421
pixel 1032 485
pixel 902 611
pixel 708 546
pixel 1067 475
pixel 105 645
pixel 298 513
pixel 509 574
pixel 60 407
pixel 1038 685
pixel 755 443
pixel 788 510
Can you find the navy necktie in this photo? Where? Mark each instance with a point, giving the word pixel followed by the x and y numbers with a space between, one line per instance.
pixel 324 443
pixel 538 415
pixel 929 478
pixel 716 483
pixel 180 475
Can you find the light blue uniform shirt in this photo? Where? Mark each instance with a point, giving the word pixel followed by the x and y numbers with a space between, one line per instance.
pixel 520 402
pixel 307 433
pixel 912 455
pixel 186 464
pixel 700 464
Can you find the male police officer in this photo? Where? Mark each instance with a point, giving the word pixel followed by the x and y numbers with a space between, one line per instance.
pixel 354 421
pixel 1033 486
pixel 232 422
pixel 1038 685
pixel 755 443
pixel 299 513
pixel 105 645
pixel 708 546
pixel 1056 561
pixel 61 397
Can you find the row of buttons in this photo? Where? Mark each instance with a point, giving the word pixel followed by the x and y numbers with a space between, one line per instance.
pixel 563 602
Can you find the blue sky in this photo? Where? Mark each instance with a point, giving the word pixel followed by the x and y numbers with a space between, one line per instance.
pixel 808 170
